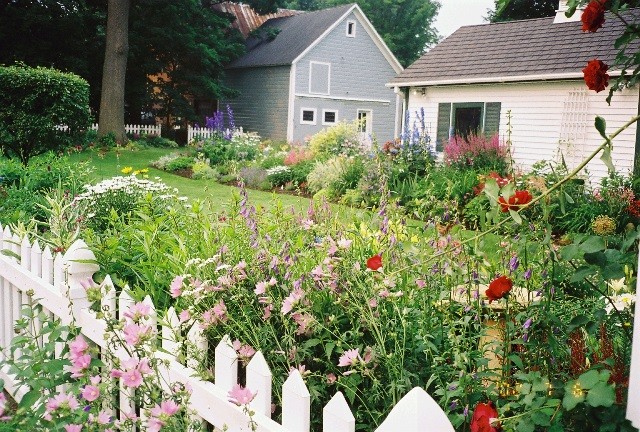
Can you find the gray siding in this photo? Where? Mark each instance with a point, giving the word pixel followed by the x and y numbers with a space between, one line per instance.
pixel 358 70
pixel 262 105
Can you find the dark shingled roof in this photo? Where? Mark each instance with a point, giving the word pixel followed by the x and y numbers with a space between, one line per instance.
pixel 515 49
pixel 295 35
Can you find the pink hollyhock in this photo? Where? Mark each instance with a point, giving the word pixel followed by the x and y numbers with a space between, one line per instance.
pixel 176 286
pixel 331 378
pixel 62 400
pixel 138 311
pixel 261 288
pixel 90 393
pixel 132 378
pixel 102 418
pixel 134 334
pixel 267 312
pixel 73 428
pixel 291 300
pixel 240 395
pixel 79 365
pixel 78 346
pixel 349 358
pixel 184 316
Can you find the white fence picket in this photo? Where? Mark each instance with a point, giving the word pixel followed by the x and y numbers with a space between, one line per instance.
pixel 138 129
pixel 259 378
pixel 296 404
pixel 415 410
pixel 337 416
pixel 127 406
pixel 226 365
pixel 169 334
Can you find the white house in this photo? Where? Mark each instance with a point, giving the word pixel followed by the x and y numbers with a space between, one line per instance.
pixel 524 77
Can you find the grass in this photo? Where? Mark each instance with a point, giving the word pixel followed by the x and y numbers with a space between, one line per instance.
pixel 218 195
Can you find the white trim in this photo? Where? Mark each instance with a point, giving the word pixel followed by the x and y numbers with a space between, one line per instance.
pixel 311 63
pixel 399 109
pixel 292 100
pixel 325 123
pixel 342 98
pixel 496 80
pixel 369 120
pixel 366 24
pixel 346 30
pixel 315 116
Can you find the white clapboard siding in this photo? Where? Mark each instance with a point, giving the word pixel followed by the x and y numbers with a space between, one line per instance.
pixel 633 401
pixel 56 281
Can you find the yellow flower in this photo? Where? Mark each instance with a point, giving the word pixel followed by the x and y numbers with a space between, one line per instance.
pixel 136 172
pixel 603 225
pixel 144 170
pixel 126 170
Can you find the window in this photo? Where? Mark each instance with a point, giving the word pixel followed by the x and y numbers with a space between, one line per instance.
pixel 329 117
pixel 465 119
pixel 308 116
pixel 364 121
pixel 319 77
pixel 351 28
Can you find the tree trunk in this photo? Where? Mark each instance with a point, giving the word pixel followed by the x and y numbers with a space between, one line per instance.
pixel 114 70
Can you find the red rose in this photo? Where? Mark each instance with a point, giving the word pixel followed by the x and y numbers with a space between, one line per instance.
pixel 593 16
pixel 374 263
pixel 517 200
pixel 482 418
pixel 595 75
pixel 498 288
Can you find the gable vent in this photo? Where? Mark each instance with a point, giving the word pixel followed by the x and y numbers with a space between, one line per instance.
pixel 560 13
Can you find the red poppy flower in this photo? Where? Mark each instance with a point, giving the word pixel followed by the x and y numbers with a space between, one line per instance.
pixel 374 263
pixel 482 418
pixel 518 199
pixel 498 288
pixel 593 16
pixel 595 75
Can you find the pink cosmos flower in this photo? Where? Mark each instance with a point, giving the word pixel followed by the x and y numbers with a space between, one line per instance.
pixel 240 395
pixel 176 286
pixel 73 428
pixel 349 358
pixel 138 311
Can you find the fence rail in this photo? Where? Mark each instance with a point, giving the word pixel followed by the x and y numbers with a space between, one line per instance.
pixel 55 280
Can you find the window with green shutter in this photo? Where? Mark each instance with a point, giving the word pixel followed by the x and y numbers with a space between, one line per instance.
pixel 491 118
pixel 444 122
pixel 466 118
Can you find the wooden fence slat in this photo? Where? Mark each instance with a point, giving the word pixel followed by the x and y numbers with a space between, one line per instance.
pixel 296 404
pixel 337 416
pixel 170 329
pixel 259 381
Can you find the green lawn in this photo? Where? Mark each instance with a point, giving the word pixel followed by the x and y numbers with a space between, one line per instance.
pixel 109 165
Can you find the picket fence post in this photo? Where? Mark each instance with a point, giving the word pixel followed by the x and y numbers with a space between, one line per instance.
pixel 296 404
pixel 415 410
pixel 226 365
pixel 259 381
pixel 337 416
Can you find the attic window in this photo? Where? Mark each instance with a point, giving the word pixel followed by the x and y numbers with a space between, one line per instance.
pixel 351 28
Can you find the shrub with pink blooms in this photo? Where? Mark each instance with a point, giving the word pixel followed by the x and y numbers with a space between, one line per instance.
pixel 477 152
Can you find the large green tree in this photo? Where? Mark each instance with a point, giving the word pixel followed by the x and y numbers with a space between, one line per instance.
pixel 522 9
pixel 405 25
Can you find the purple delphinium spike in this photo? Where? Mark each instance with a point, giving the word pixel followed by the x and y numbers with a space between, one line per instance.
pixel 514 263
pixel 527 274
pixel 231 119
pixel 527 323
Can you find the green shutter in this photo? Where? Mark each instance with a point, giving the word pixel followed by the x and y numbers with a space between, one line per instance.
pixel 492 119
pixel 444 120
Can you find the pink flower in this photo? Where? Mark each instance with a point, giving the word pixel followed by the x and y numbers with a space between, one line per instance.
pixel 102 418
pixel 166 408
pixel 132 371
pixel 132 378
pixel 261 288
pixel 373 303
pixel 134 334
pixel 176 286
pixel 138 311
pixel 215 315
pixel 331 378
pixel 184 316
pixel 78 346
pixel 292 299
pixel 62 400
pixel 344 243
pixel 79 365
pixel 73 428
pixel 240 395
pixel 90 393
pixel 420 283
pixel 267 312
pixel 349 358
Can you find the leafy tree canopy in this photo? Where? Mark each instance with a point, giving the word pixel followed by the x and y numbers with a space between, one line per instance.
pixel 405 25
pixel 522 9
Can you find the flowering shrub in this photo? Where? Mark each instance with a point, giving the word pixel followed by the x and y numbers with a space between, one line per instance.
pixel 342 139
pixel 476 151
pixel 279 175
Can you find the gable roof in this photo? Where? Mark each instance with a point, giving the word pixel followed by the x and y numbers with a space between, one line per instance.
pixel 297 34
pixel 526 50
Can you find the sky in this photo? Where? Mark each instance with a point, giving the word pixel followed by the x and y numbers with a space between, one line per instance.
pixel 458 13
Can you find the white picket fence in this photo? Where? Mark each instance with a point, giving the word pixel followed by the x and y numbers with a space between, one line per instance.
pixel 54 280
pixel 138 129
pixel 194 133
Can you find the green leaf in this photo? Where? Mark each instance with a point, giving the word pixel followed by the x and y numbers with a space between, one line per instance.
pixel 515 216
pixel 540 418
pixel 601 126
pixel 328 349
pixel 596 258
pixel 593 244
pixel 516 360
pixel 589 379
pixel 29 399
pixel 582 273
pixel 570 400
pixel 525 425
pixel 568 198
pixel 602 394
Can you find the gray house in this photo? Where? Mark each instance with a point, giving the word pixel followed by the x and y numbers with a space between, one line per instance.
pixel 306 72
